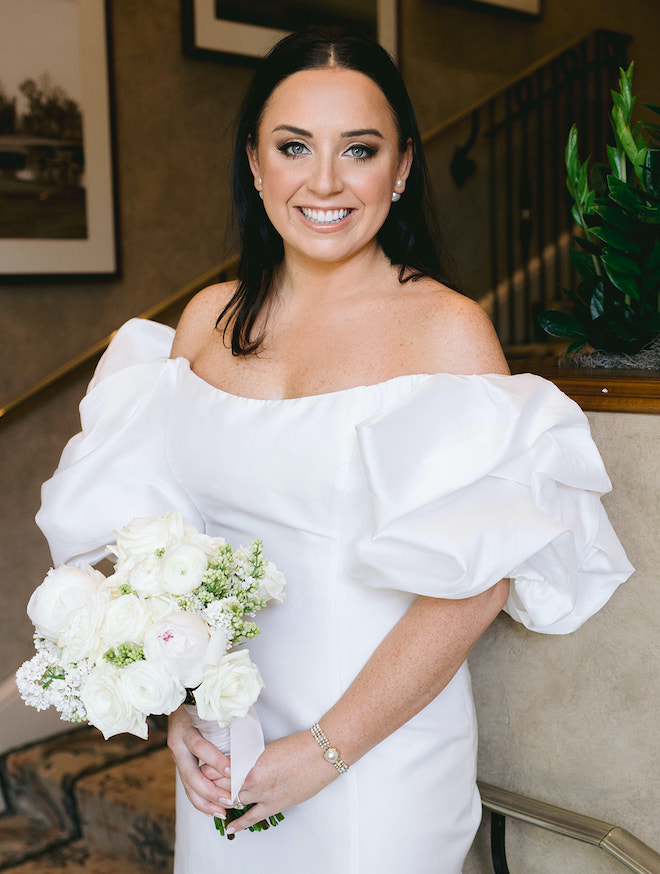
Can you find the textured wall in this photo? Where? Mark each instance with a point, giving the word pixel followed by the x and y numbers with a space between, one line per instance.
pixel 573 720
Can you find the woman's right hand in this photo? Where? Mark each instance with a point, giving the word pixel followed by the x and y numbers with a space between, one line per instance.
pixel 188 747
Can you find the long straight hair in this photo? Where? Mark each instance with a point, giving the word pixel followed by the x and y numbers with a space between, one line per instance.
pixel 408 234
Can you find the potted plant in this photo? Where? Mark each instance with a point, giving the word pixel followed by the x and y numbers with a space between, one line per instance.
pixel 615 308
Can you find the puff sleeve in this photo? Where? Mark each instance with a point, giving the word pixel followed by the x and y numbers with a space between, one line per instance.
pixel 116 468
pixel 472 479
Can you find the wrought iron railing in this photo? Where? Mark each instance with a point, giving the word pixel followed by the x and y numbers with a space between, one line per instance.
pixel 623 846
pixel 505 185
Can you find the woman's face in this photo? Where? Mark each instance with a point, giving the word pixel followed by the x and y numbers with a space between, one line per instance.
pixel 327 162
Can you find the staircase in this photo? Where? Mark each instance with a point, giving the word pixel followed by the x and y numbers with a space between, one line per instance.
pixel 79 802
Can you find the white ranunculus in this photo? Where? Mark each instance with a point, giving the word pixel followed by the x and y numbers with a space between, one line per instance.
pixel 64 591
pixel 178 642
pixel 208 544
pixel 126 621
pixel 182 568
pixel 107 707
pixel 81 639
pixel 229 689
pixel 143 536
pixel 150 689
pixel 145 577
pixel 272 584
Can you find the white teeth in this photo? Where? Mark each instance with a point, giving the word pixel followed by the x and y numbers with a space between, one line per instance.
pixel 324 216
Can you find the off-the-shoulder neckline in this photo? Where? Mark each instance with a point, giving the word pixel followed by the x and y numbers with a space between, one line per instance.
pixel 412 378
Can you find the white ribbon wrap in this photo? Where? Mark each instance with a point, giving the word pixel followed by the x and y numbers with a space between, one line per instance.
pixel 243 740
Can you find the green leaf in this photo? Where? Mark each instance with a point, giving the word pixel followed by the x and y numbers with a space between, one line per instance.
pixel 651 180
pixel 623 195
pixel 617 239
pixel 653 108
pixel 620 263
pixel 560 324
pixel 613 215
pixel 623 282
pixel 587 245
pixel 616 161
pixel 582 262
pixel 650 215
pixel 653 260
pixel 575 345
pixel 572 161
pixel 597 303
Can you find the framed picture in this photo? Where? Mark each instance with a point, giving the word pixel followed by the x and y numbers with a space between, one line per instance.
pixel 57 195
pixel 530 9
pixel 249 28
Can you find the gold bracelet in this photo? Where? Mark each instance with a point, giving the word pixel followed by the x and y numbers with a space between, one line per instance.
pixel 330 753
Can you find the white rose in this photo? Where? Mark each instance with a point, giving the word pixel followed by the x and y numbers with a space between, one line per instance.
pixel 182 568
pixel 81 639
pixel 209 544
pixel 150 689
pixel 178 642
pixel 64 591
pixel 126 621
pixel 145 578
pixel 143 536
pixel 272 584
pixel 107 707
pixel 229 689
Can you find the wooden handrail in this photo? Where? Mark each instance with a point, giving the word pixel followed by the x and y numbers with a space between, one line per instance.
pixel 617 842
pixel 222 270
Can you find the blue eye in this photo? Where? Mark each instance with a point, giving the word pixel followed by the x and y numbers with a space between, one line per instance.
pixel 360 152
pixel 293 149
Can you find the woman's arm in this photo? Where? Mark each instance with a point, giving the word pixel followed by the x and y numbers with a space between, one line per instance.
pixel 411 666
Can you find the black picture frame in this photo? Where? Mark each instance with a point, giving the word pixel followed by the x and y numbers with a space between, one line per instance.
pixel 526 10
pixel 72 233
pixel 207 35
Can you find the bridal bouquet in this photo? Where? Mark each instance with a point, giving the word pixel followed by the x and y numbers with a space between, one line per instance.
pixel 157 632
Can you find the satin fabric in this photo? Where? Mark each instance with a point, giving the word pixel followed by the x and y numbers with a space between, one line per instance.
pixel 431 484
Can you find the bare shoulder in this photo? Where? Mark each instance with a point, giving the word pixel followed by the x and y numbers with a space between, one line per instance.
pixel 459 335
pixel 198 321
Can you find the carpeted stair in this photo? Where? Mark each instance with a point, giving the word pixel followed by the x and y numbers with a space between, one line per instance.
pixel 77 802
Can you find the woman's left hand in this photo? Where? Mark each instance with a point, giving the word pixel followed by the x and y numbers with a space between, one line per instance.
pixel 288 772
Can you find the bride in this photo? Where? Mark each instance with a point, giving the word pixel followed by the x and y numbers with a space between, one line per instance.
pixel 343 404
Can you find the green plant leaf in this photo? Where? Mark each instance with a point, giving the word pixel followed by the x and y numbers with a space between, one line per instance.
pixel 587 245
pixel 623 195
pixel 624 282
pixel 576 345
pixel 651 179
pixel 613 215
pixel 583 263
pixel 620 263
pixel 616 160
pixel 617 239
pixel 597 303
pixel 653 108
pixel 561 324
pixel 572 161
pixel 650 215
pixel 653 260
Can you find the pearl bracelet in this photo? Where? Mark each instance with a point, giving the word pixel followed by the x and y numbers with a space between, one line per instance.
pixel 330 753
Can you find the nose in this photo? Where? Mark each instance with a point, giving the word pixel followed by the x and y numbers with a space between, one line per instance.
pixel 325 178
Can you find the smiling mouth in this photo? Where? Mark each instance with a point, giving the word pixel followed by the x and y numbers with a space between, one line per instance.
pixel 325 216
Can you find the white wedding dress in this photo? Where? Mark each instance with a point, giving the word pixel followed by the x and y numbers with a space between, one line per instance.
pixel 431 484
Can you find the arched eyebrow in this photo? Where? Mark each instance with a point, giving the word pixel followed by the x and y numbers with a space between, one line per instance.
pixel 348 134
